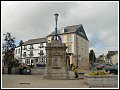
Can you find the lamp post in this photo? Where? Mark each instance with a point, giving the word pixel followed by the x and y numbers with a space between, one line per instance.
pixel 56 36
pixel 56 18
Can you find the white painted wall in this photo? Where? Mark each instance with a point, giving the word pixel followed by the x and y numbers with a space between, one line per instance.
pixel 36 50
pixel 114 59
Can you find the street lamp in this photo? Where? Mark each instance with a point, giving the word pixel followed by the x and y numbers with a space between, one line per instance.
pixel 56 18
pixel 56 36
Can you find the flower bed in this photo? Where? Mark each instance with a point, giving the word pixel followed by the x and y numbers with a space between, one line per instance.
pixel 94 73
pixel 101 79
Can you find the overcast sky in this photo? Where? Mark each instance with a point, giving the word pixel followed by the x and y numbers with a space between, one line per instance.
pixel 30 20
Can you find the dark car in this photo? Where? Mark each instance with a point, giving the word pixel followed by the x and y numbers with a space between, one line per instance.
pixel 26 71
pixel 40 65
pixel 112 69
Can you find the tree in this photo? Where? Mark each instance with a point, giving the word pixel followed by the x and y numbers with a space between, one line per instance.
pixel 9 42
pixel 20 44
pixel 8 49
pixel 92 57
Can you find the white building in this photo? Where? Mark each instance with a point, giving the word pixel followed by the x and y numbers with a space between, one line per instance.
pixel 33 52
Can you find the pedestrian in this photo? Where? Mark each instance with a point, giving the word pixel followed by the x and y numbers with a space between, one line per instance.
pixel 76 72
pixel 72 67
pixel 20 70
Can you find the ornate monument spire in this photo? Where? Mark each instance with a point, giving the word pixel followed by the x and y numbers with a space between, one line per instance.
pixel 56 36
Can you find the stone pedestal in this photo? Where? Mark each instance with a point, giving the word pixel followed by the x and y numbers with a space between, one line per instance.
pixel 101 80
pixel 56 60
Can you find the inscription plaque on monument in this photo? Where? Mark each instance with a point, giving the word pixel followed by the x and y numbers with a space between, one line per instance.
pixel 56 63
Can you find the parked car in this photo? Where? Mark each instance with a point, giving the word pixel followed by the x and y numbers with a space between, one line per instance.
pixel 111 69
pixel 100 67
pixel 25 71
pixel 40 65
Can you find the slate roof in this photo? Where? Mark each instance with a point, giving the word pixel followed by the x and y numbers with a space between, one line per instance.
pixel 35 41
pixel 77 29
pixel 111 53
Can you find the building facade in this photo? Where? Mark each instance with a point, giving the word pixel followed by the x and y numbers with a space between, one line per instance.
pixel 115 59
pixel 32 52
pixel 101 59
pixel 75 39
pixel 112 57
pixel 77 42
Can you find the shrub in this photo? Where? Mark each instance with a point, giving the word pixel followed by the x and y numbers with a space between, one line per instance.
pixel 98 73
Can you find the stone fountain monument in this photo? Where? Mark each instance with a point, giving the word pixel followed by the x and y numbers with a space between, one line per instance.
pixel 56 57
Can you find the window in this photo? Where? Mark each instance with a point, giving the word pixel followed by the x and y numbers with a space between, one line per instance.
pixel 31 53
pixel 69 38
pixel 16 51
pixel 36 60
pixel 27 61
pixel 31 47
pixel 69 49
pixel 31 61
pixel 19 51
pixel 41 53
pixel 41 45
pixel 24 54
pixel 65 30
pixel 25 48
pixel 42 59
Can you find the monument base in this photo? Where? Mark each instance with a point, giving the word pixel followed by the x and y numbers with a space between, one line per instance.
pixel 51 73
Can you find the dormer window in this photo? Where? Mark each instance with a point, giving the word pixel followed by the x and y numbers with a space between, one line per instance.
pixel 41 45
pixel 65 30
pixel 31 47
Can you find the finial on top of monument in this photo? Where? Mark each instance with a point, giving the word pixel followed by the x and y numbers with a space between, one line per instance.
pixel 56 36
